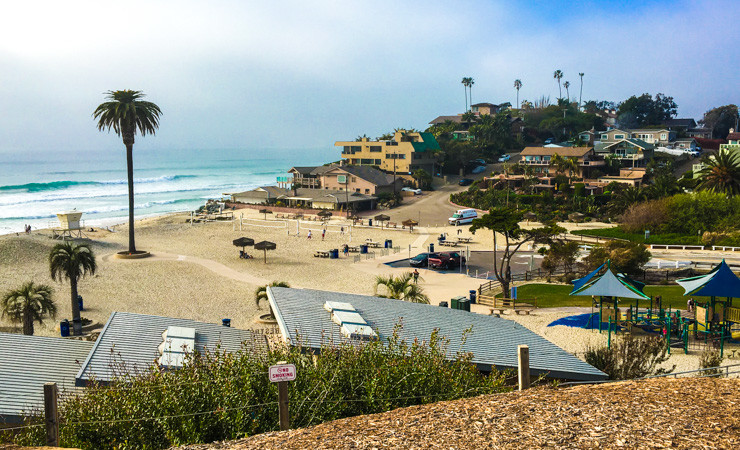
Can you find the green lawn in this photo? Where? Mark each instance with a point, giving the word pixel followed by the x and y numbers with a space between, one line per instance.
pixel 663 238
pixel 552 295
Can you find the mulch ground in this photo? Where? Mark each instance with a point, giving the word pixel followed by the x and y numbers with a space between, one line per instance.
pixel 658 413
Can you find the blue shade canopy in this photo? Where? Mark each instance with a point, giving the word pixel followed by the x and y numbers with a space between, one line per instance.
pixel 577 284
pixel 719 282
pixel 609 285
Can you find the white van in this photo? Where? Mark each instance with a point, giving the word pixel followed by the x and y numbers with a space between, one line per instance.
pixel 463 216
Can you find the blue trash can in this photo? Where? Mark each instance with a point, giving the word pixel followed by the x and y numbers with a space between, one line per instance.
pixel 334 253
pixel 64 327
pixel 388 243
pixel 369 222
pixel 363 248
pixel 473 292
pixel 226 322
pixel 431 247
pixel 79 302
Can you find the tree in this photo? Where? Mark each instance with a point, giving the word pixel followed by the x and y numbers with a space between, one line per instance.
pixel 401 287
pixel 68 261
pixel 580 96
pixel 517 86
pixel 626 197
pixel 126 114
pixel 27 304
pixel 504 222
pixel 466 82
pixel 561 253
pixel 645 111
pixel 558 75
pixel 721 173
pixel 261 293
pixel 566 85
pixel 563 164
pixel 720 120
pixel 471 82
pixel 626 256
pixel 423 179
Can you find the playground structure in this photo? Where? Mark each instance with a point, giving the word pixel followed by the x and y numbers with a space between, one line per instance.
pixel 710 325
pixel 70 226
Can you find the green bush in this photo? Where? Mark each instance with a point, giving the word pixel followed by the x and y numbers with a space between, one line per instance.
pixel 579 189
pixel 709 358
pixel 219 395
pixel 630 357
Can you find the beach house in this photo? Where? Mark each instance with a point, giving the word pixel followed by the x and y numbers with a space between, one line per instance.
pixel 540 158
pixel 361 179
pixel 630 152
pixel 733 142
pixel 404 153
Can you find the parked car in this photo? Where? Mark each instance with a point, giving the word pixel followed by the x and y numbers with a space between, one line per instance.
pixel 549 141
pixel 480 161
pixel 505 157
pixel 410 189
pixel 465 182
pixel 445 260
pixel 420 260
pixel 463 216
pixel 479 169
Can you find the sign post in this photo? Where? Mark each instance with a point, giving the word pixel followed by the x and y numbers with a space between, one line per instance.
pixel 281 373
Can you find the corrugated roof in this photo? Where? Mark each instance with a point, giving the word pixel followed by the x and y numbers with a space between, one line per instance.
pixel 133 339
pixel 493 341
pixel 27 362
pixel 562 151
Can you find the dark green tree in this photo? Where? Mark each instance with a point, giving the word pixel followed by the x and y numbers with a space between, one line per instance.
pixel 71 262
pixel 645 111
pixel 125 113
pixel 720 120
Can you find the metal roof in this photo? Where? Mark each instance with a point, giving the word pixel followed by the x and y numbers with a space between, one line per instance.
pixel 493 341
pixel 132 339
pixel 27 362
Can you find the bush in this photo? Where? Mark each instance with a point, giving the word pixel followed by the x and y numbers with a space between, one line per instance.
pixel 630 357
pixel 651 215
pixel 710 357
pixel 579 189
pixel 335 382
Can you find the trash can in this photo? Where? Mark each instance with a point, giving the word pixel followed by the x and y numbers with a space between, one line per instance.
pixel 443 304
pixel 79 302
pixel 464 304
pixel 334 253
pixel 369 222
pixel 64 327
pixel 363 248
pixel 390 243
pixel 457 302
pixel 226 322
pixel 473 292
pixel 431 247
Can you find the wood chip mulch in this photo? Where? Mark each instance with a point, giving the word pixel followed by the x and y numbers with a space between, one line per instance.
pixel 658 413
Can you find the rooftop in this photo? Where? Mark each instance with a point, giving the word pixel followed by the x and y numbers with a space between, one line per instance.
pixel 569 152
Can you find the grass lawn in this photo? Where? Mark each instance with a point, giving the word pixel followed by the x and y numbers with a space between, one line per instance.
pixel 663 238
pixel 552 295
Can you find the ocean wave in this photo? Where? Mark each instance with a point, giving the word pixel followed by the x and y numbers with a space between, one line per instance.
pixel 65 184
pixel 110 209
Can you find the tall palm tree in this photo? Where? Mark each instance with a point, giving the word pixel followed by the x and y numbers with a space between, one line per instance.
pixel 580 96
pixel 471 82
pixel 68 261
pixel 466 82
pixel 558 75
pixel 31 302
pixel 626 198
pixel 564 164
pixel 126 114
pixel 721 173
pixel 401 288
pixel 566 85
pixel 517 86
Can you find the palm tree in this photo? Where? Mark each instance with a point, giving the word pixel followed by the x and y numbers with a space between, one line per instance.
pixel 580 96
pixel 31 302
pixel 261 293
pixel 563 164
pixel 466 82
pixel 721 173
pixel 471 82
pixel 566 85
pixel 626 198
pixel 401 288
pixel 517 86
pixel 558 75
pixel 68 261
pixel 126 114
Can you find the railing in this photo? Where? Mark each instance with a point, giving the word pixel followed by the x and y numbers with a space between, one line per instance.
pixel 724 249
pixel 708 372
pixel 682 247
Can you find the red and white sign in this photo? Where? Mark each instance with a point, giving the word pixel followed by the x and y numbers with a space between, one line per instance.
pixel 282 372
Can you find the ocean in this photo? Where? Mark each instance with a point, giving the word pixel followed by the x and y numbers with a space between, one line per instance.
pixel 35 186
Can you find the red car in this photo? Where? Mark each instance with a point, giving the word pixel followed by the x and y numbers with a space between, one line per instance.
pixel 446 260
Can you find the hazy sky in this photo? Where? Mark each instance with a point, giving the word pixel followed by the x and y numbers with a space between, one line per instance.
pixel 284 74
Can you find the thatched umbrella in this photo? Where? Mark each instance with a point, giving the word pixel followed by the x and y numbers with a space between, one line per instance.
pixel 243 242
pixel 382 218
pixel 265 211
pixel 324 214
pixel 411 223
pixel 529 215
pixel 265 245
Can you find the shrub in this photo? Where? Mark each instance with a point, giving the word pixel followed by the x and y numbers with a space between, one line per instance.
pixel 579 189
pixel 630 357
pixel 710 357
pixel 650 215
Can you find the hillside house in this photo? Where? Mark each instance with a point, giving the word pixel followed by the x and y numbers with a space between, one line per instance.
pixel 402 155
pixel 540 158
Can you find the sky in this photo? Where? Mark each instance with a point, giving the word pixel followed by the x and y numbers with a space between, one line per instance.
pixel 303 74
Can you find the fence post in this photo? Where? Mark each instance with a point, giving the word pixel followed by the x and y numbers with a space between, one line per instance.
pixel 283 405
pixel 51 416
pixel 523 352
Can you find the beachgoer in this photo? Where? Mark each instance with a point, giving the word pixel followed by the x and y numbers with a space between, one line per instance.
pixel 309 234
pixel 241 254
pixel 688 305
pixel 323 233
pixel 341 231
pixel 416 275
pixel 459 231
pixel 346 249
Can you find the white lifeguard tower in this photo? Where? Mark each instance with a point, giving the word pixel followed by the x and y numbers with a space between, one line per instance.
pixel 70 226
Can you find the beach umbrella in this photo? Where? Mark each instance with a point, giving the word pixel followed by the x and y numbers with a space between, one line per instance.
pixel 324 214
pixel 265 245
pixel 265 212
pixel 382 218
pixel 411 223
pixel 529 215
pixel 243 242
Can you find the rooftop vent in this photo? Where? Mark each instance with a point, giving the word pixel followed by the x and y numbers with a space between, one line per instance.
pixel 351 324
pixel 177 342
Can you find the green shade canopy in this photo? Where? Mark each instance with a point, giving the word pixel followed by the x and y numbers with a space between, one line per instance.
pixel 719 282
pixel 609 285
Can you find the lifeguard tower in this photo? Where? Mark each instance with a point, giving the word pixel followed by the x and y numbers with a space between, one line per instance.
pixel 70 226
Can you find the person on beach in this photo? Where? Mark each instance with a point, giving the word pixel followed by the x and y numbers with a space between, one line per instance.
pixel 323 233
pixel 459 231
pixel 341 231
pixel 416 276
pixel 345 249
pixel 309 234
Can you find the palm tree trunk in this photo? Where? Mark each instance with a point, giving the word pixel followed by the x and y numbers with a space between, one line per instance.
pixel 517 99
pixel 76 321
pixel 27 322
pixel 465 88
pixel 130 175
pixel 580 96
pixel 560 90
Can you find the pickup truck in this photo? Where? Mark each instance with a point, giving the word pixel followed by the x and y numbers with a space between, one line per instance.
pixel 445 260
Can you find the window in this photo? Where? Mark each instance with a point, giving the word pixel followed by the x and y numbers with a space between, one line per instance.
pixel 365 161
pixel 354 179
pixel 663 136
pixel 618 136
pixel 604 137
pixel 357 190
pixel 367 191
pixel 377 162
pixel 375 149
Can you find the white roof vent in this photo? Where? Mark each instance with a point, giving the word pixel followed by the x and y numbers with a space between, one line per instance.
pixel 351 323
pixel 177 343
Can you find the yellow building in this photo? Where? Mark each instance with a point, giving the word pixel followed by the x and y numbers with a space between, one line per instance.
pixel 403 154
